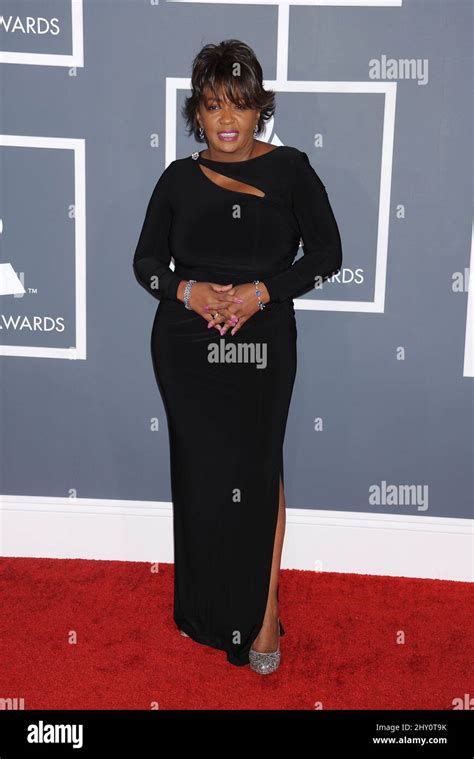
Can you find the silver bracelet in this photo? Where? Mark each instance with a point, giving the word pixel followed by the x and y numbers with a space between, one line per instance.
pixel 258 293
pixel 187 291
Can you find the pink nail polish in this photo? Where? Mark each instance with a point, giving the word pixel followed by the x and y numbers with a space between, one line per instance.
pixel 209 325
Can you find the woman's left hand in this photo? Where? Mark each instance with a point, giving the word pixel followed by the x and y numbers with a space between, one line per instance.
pixel 242 311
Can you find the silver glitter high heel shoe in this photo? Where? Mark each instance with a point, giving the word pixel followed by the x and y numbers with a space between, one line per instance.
pixel 266 662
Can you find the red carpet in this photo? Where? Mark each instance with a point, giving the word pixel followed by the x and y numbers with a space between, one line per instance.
pixel 340 649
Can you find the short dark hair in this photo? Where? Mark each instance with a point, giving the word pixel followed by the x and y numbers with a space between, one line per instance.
pixel 214 69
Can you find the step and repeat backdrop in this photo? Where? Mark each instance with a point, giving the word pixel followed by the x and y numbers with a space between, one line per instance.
pixel 378 94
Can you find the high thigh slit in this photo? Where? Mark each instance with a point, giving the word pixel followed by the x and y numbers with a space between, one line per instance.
pixel 223 550
pixel 227 398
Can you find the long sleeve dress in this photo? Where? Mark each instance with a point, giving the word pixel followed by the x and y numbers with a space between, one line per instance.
pixel 227 398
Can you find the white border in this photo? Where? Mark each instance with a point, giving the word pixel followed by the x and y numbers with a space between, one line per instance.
pixel 76 59
pixel 315 3
pixel 318 540
pixel 469 340
pixel 389 89
pixel 78 146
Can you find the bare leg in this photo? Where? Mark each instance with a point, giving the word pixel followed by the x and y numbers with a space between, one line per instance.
pixel 267 639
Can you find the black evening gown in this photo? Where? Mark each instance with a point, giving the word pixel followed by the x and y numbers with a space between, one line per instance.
pixel 227 398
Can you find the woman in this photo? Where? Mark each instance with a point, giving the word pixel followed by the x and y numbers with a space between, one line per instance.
pixel 231 216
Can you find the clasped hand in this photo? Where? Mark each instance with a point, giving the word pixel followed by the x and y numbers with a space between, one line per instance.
pixel 234 305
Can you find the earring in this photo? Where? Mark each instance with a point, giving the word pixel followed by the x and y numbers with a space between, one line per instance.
pixel 201 132
pixel 255 131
